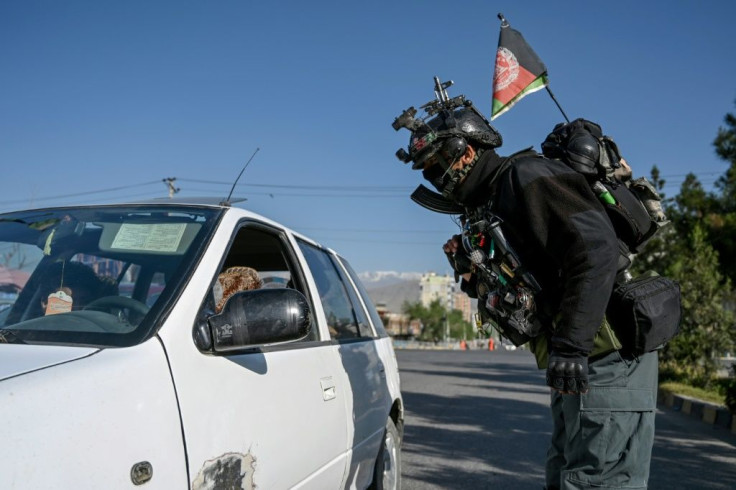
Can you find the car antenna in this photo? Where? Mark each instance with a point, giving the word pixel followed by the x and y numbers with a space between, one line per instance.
pixel 226 202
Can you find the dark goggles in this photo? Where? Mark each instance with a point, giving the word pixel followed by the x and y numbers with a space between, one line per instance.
pixel 437 171
pixel 434 171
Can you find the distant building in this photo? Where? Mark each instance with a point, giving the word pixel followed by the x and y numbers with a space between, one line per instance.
pixel 465 304
pixel 397 324
pixel 434 287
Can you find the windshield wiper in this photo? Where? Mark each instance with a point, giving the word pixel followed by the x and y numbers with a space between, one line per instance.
pixel 9 337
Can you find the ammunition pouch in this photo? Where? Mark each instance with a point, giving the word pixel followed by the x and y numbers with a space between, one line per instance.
pixel 645 313
pixel 509 312
pixel 634 223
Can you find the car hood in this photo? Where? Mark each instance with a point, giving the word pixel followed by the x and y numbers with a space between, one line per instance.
pixel 20 359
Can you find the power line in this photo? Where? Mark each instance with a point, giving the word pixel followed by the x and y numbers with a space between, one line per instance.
pixel 377 187
pixel 126 198
pixel 99 200
pixel 77 194
pixel 386 242
pixel 347 230
pixel 380 188
pixel 403 195
pixel 323 191
pixel 685 175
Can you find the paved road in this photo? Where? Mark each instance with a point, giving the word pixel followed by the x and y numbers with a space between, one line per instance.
pixel 478 419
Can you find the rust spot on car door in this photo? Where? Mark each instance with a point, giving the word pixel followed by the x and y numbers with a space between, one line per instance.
pixel 231 471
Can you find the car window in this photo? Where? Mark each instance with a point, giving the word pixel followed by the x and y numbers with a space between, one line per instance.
pixel 144 284
pixel 124 278
pixel 375 317
pixel 157 285
pixel 259 257
pixel 364 325
pixel 344 321
pixel 97 275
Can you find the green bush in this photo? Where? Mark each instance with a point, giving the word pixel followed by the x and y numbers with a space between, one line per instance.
pixel 690 374
pixel 731 391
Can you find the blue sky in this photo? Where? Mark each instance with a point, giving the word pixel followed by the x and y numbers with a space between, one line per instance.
pixel 101 100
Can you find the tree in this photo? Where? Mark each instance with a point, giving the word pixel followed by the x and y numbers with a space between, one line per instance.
pixel 657 181
pixel 659 252
pixel 459 328
pixel 436 320
pixel 723 226
pixel 725 144
pixel 692 205
pixel 699 251
pixel 715 212
pixel 431 317
pixel 705 331
pixel 13 258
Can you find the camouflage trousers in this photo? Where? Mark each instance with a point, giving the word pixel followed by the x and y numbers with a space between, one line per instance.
pixel 603 439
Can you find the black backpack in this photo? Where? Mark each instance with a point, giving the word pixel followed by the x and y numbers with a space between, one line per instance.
pixel 644 312
pixel 633 205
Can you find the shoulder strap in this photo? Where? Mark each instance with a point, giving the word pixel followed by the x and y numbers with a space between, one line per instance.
pixel 508 161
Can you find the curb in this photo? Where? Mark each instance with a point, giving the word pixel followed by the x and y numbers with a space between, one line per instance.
pixel 709 413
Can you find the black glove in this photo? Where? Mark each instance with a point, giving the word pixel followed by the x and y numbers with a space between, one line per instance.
pixel 460 263
pixel 567 373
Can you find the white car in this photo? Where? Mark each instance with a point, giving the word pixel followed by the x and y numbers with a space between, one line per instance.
pixel 118 370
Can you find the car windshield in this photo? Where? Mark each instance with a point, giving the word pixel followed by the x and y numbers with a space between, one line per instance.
pixel 97 276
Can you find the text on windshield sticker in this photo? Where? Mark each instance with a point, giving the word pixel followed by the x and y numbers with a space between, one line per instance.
pixel 161 237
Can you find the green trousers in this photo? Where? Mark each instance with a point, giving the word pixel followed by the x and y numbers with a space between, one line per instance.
pixel 604 439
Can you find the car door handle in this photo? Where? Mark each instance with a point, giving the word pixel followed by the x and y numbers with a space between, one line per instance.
pixel 328 388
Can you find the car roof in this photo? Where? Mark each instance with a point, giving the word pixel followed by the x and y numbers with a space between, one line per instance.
pixel 208 202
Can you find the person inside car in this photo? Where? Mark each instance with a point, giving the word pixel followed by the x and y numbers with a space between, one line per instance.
pixel 70 286
pixel 234 280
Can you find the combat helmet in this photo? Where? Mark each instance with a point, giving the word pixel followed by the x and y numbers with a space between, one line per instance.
pixel 442 136
pixel 582 145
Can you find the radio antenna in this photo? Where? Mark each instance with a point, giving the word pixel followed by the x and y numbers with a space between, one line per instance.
pixel 226 202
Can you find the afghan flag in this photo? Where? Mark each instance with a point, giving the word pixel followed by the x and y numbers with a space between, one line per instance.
pixel 519 71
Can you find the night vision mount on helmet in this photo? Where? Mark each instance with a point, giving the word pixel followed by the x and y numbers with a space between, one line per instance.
pixel 442 136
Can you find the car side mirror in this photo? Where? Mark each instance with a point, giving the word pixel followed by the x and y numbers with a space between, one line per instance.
pixel 260 317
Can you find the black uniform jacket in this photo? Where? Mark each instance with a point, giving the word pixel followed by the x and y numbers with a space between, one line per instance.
pixel 562 234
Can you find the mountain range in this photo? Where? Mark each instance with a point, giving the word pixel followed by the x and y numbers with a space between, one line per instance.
pixel 385 278
pixel 392 288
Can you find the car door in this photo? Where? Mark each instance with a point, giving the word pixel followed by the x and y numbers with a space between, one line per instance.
pixel 269 418
pixel 354 338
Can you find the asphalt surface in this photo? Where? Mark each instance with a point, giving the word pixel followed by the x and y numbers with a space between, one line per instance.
pixel 479 419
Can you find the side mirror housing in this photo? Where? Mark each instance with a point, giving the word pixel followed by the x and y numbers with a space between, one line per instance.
pixel 258 318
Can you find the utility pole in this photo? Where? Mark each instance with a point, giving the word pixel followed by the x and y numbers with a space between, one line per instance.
pixel 169 181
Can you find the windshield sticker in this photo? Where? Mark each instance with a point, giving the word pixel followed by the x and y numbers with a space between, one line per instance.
pixel 149 238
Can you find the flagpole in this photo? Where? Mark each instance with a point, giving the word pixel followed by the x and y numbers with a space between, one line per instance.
pixel 557 103
pixel 505 24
